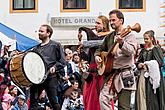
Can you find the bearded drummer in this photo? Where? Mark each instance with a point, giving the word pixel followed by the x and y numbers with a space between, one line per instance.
pixel 53 55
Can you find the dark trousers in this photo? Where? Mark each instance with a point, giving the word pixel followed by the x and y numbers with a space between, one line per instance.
pixel 50 85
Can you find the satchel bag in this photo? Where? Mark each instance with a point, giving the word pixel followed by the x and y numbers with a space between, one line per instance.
pixel 128 79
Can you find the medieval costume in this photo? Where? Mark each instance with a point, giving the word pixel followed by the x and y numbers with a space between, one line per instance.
pixel 94 81
pixel 120 81
pixel 150 87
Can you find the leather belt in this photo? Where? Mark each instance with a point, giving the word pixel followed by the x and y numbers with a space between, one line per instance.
pixel 121 70
pixel 92 70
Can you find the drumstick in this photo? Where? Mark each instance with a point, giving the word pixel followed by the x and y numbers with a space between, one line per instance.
pixel 20 90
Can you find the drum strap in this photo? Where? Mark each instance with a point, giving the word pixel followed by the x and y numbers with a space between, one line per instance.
pixel 48 72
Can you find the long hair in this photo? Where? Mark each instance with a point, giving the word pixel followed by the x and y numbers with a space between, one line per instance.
pixel 2 90
pixel 105 22
pixel 90 34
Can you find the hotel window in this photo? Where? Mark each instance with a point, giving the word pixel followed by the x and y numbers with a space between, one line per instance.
pixel 131 5
pixel 74 5
pixel 23 6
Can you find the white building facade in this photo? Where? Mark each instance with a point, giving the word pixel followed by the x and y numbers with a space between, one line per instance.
pixel 25 16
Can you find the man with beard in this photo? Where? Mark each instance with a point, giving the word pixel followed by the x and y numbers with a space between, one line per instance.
pixel 53 55
pixel 116 81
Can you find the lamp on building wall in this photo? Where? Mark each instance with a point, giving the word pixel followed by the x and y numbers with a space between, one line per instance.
pixel 100 13
pixel 48 19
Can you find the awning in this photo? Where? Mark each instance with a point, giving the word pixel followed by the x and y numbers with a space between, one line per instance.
pixel 23 42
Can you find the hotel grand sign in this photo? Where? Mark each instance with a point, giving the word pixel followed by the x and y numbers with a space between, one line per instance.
pixel 72 21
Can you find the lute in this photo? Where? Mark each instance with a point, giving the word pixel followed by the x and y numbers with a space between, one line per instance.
pixel 106 65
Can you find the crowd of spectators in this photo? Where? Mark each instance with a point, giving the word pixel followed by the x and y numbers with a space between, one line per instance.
pixel 13 97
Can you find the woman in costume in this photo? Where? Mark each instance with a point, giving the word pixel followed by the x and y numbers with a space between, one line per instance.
pixel 150 85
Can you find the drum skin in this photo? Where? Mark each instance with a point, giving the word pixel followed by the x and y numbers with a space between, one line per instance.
pixel 27 69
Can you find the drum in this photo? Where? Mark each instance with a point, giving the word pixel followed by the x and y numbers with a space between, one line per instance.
pixel 27 69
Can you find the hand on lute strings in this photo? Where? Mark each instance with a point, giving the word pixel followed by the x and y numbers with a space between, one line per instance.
pixel 119 39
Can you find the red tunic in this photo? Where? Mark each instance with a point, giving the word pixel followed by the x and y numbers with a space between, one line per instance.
pixel 90 92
